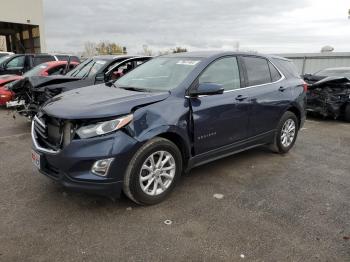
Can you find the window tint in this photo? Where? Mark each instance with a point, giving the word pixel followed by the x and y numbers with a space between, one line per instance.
pixel 16 62
pixel 224 71
pixel 42 59
pixel 257 70
pixel 275 75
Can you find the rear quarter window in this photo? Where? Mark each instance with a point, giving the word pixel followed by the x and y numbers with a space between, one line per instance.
pixel 287 67
pixel 275 75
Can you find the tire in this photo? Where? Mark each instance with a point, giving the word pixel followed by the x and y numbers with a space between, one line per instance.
pixel 146 192
pixel 283 145
pixel 347 113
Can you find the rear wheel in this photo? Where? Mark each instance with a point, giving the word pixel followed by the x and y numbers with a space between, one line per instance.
pixel 286 133
pixel 153 171
pixel 347 113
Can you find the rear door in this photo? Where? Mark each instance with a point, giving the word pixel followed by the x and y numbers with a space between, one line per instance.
pixel 220 120
pixel 269 97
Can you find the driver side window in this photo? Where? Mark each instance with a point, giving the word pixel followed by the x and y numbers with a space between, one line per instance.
pixel 224 71
pixel 16 62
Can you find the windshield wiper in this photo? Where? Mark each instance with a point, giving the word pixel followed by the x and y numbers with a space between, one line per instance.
pixel 137 89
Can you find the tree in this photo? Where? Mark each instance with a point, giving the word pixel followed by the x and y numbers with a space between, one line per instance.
pixel 179 49
pixel 109 48
pixel 146 50
pixel 89 49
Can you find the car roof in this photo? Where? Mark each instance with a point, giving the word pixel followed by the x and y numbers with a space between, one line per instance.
pixel 112 57
pixel 212 54
pixel 337 68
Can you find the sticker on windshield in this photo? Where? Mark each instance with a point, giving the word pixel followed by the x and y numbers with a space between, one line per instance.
pixel 101 62
pixel 188 62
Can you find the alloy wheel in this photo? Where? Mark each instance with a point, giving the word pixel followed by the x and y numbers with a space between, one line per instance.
pixel 157 173
pixel 288 132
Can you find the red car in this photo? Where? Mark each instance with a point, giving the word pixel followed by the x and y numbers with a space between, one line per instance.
pixel 45 69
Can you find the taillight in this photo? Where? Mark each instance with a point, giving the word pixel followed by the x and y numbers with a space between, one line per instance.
pixel 305 86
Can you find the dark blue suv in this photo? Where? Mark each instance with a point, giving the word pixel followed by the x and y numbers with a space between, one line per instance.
pixel 141 132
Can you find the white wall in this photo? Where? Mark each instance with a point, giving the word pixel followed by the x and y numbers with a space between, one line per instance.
pixel 20 11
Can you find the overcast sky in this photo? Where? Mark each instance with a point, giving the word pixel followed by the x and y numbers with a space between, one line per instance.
pixel 270 26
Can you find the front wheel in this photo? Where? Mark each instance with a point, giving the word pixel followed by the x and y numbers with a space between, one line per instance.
pixel 286 133
pixel 153 171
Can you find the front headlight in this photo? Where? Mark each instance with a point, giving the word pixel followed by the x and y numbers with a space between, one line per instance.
pixel 103 128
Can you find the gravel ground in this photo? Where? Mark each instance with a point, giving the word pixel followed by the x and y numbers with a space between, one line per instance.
pixel 266 207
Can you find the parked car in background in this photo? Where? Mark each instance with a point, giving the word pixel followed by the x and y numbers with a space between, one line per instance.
pixel 68 58
pixel 20 63
pixel 170 114
pixel 329 92
pixel 6 54
pixel 32 92
pixel 45 69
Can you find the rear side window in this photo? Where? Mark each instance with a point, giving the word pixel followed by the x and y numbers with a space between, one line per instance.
pixel 224 71
pixel 286 65
pixel 258 71
pixel 43 59
pixel 275 75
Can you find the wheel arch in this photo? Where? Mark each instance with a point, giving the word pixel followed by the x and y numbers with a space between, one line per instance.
pixel 179 142
pixel 295 110
pixel 173 134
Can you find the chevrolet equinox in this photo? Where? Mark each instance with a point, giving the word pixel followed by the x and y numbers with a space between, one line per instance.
pixel 140 133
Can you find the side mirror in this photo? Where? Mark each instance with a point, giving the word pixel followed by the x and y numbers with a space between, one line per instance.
pixel 100 77
pixel 207 89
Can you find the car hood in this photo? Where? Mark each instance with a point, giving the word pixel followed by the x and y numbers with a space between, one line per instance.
pixel 4 79
pixel 98 101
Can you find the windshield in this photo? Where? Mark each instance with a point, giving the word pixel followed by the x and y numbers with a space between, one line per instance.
pixel 3 58
pixel 35 71
pixel 162 73
pixel 88 68
pixel 334 72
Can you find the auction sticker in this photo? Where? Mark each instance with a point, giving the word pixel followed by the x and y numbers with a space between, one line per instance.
pixel 188 62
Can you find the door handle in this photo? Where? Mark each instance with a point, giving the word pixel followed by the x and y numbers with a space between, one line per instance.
pixel 241 97
pixel 282 88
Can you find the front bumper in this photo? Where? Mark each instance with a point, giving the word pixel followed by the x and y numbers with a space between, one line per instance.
pixel 71 166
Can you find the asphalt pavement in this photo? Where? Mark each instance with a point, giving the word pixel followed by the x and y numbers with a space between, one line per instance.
pixel 253 206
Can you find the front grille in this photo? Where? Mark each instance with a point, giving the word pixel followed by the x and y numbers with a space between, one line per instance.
pixel 51 133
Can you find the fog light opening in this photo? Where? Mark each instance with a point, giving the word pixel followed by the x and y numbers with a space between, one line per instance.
pixel 100 167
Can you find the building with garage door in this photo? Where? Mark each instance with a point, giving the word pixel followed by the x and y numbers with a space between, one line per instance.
pixel 309 63
pixel 22 26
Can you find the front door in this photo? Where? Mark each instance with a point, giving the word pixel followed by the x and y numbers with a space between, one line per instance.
pixel 15 66
pixel 222 119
